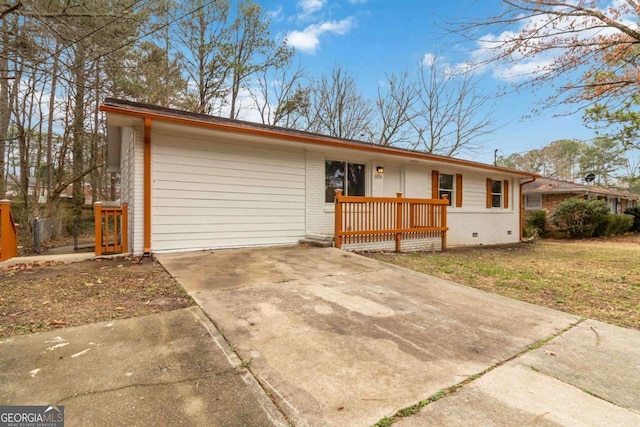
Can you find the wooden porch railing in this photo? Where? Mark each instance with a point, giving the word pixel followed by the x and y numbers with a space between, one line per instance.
pixel 111 229
pixel 8 232
pixel 377 219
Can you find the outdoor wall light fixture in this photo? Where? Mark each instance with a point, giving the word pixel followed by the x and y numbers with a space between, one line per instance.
pixel 380 169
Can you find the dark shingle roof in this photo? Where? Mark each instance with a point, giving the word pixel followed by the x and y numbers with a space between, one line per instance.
pixel 128 107
pixel 550 185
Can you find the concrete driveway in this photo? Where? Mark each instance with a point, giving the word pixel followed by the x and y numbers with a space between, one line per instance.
pixel 166 369
pixel 338 339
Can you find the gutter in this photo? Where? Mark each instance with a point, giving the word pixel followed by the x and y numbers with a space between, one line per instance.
pixel 534 177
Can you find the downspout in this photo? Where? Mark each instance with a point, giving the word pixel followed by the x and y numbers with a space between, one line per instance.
pixel 522 206
pixel 147 190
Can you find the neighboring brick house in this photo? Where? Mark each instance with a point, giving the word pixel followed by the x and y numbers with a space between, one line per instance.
pixel 547 193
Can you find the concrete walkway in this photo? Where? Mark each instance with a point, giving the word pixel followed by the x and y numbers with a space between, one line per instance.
pixel 168 369
pixel 338 339
pixel 32 259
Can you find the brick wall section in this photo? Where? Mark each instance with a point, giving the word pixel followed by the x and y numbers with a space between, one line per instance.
pixel 409 245
pixel 624 204
pixel 550 202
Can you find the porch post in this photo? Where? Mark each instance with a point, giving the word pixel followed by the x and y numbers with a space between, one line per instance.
pixel 125 228
pixel 147 186
pixel 444 225
pixel 337 232
pixel 399 222
pixel 97 218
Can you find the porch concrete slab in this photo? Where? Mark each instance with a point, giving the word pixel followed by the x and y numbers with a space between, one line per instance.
pixel 339 339
pixel 167 369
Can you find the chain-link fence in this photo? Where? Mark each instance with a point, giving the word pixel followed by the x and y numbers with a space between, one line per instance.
pixel 83 232
pixel 45 230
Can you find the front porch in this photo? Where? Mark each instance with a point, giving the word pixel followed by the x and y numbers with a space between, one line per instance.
pixel 390 223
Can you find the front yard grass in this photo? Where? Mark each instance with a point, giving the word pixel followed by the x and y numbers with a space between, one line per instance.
pixel 595 278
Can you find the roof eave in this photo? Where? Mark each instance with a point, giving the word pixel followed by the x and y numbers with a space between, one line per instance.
pixel 304 138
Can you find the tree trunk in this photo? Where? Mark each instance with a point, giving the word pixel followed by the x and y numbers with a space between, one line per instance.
pixel 95 175
pixel 78 129
pixel 5 104
pixel 52 100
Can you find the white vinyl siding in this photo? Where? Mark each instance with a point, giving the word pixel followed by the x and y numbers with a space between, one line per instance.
pixel 392 181
pixel 131 185
pixel 417 182
pixel 218 194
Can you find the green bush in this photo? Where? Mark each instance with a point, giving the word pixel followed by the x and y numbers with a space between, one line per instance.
pixel 635 211
pixel 535 220
pixel 530 232
pixel 614 224
pixel 579 217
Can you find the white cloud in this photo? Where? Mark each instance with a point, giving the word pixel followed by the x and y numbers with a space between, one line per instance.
pixel 308 40
pixel 448 69
pixel 276 15
pixel 429 59
pixel 310 7
pixel 521 70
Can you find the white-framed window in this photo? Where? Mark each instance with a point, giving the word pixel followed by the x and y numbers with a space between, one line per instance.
pixel 532 202
pixel 615 206
pixel 445 187
pixel 496 193
pixel 349 177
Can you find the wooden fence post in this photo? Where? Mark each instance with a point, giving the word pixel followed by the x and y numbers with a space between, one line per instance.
pixel 337 238
pixel 4 229
pixel 97 215
pixel 444 225
pixel 399 223
pixel 8 237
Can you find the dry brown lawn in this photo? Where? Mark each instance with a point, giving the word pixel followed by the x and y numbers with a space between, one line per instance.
pixel 595 278
pixel 35 298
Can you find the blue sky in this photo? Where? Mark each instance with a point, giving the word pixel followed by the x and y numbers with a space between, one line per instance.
pixel 372 37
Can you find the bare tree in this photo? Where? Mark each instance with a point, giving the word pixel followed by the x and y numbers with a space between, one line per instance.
pixel 395 107
pixel 338 109
pixel 280 96
pixel 252 50
pixel 453 115
pixel 8 84
pixel 585 51
pixel 202 40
